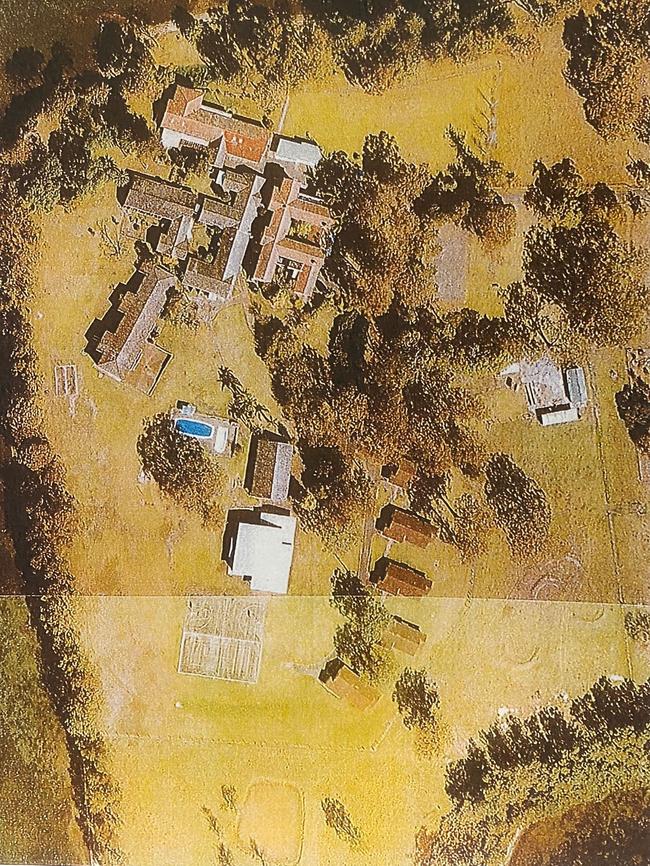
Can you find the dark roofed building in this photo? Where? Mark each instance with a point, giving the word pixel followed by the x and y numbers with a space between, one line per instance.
pixel 403 636
pixel 396 578
pixel 400 473
pixel 341 681
pixel 206 278
pixel 124 351
pixel 269 468
pixel 232 200
pixel 159 198
pixel 401 525
pixel 168 202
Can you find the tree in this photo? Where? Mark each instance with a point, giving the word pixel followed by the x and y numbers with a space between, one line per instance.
pixel 25 66
pixel 607 51
pixel 467 780
pixel 383 250
pixel 594 277
pixel 417 699
pixel 338 818
pixel 467 193
pixel 358 640
pixel 519 504
pixel 122 51
pixel 182 468
pixel 260 47
pixel 637 625
pixel 336 490
pixel 633 406
pixel 613 704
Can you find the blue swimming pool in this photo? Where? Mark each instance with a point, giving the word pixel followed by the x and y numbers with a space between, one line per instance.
pixel 189 427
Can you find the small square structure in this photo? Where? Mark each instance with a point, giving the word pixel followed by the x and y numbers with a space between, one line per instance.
pixel 223 638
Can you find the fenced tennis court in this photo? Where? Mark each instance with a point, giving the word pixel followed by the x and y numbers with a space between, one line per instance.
pixel 223 638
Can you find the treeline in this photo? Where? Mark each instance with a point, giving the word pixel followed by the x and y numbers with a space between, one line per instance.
pixel 375 44
pixel 521 771
pixel 609 49
pixel 42 520
pixel 85 110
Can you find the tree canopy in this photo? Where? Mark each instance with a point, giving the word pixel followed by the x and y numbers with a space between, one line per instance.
pixel 182 468
pixel 383 249
pixel 633 405
pixel 608 48
pixel 519 504
pixel 583 285
pixel 358 639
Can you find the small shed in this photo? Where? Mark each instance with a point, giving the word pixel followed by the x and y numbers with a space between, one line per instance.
pixel 576 386
pixel 396 578
pixel 402 635
pixel 341 681
pixel 400 473
pixel 401 525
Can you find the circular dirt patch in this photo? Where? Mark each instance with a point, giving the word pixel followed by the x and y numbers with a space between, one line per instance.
pixel 272 818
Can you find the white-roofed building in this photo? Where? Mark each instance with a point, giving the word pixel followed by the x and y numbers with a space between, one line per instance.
pixel 554 395
pixel 576 386
pixel 260 549
pixel 295 150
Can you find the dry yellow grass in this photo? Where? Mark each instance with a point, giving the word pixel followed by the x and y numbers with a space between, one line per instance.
pixel 178 739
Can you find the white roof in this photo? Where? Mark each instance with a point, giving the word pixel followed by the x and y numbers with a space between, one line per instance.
pixel 263 551
pixel 576 386
pixel 560 415
pixel 302 152
pixel 543 383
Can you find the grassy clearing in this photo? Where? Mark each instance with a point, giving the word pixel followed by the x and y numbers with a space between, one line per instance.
pixel 37 823
pixel 288 730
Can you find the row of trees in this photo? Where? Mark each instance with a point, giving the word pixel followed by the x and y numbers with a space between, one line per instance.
pixel 42 521
pixel 609 707
pixel 550 768
pixel 374 44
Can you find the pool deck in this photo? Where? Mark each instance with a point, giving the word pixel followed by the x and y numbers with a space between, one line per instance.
pixel 224 431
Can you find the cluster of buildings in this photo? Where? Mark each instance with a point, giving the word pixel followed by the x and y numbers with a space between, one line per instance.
pixel 340 680
pixel 553 395
pixel 258 542
pixel 258 217
pixel 393 577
